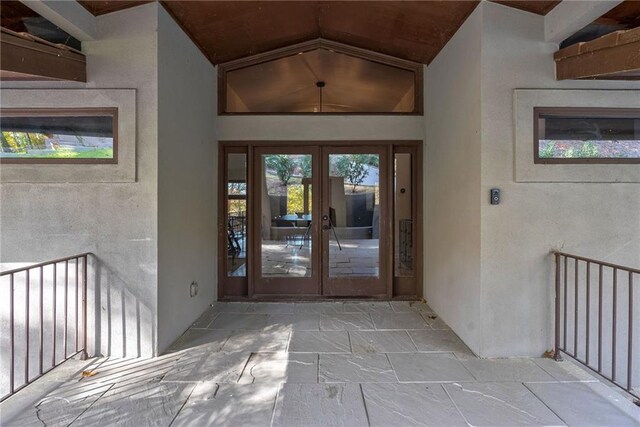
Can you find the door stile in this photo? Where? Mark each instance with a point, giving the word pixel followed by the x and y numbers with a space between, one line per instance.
pixel 389 221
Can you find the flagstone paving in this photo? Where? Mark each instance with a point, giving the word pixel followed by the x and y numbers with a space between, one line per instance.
pixel 319 364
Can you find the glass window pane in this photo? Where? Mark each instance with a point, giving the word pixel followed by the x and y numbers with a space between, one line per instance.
pixel 354 199
pixel 286 215
pixel 403 215
pixel 575 135
pixel 236 215
pixel 65 134
pixel 320 81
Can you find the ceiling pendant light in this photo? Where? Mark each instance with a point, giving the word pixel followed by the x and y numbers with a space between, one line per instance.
pixel 320 84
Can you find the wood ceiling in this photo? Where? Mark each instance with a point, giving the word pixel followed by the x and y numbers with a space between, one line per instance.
pixel 537 7
pixel 626 14
pixel 228 30
pixel 413 30
pixel 103 7
pixel 12 14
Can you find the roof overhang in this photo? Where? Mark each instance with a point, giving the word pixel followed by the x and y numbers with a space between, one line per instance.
pixel 24 57
pixel 615 56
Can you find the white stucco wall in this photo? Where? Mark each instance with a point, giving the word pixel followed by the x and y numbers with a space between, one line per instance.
pixel 452 183
pixel 597 220
pixel 187 176
pixel 116 221
pixel 495 288
pixel 319 128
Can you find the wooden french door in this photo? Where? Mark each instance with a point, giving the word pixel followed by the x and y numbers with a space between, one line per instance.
pixel 320 221
pixel 355 206
pixel 286 233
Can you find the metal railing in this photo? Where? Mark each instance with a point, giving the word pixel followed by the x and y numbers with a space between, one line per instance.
pixel 74 272
pixel 573 315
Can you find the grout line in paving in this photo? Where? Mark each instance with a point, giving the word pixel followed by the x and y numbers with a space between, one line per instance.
pixel 245 367
pixel 406 331
pixel 463 365
pixel 275 403
pixel 185 402
pixel 392 368
pixel 364 402
pixel 544 403
pixel 455 405
pixel 87 408
pixel 349 338
pixel 289 336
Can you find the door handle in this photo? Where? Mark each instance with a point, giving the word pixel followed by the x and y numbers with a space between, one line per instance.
pixel 325 217
pixel 326 227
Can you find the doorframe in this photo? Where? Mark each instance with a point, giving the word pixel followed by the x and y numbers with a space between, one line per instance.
pixel 247 147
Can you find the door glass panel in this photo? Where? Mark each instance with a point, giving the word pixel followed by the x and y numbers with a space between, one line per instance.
pixel 354 208
pixel 286 215
pixel 403 215
pixel 237 215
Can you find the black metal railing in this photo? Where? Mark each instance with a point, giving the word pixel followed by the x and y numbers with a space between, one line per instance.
pixel 74 272
pixel 582 286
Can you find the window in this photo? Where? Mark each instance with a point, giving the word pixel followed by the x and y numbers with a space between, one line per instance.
pixel 586 135
pixel 70 135
pixel 320 77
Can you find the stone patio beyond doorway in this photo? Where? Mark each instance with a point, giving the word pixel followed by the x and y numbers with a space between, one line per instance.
pixel 319 364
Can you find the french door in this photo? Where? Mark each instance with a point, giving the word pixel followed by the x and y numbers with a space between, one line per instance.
pixel 313 220
pixel 320 221
pixel 354 221
pixel 286 253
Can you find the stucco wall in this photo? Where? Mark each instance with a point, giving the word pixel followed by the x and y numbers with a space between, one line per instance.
pixel 187 176
pixel 599 220
pixel 319 128
pixel 452 183
pixel 116 221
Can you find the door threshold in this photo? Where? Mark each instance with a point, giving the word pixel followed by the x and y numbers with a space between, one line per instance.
pixel 306 298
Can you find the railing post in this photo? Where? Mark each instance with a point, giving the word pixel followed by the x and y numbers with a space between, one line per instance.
pixel 84 355
pixel 556 350
pixel 630 336
pixel 12 326
pixel 26 327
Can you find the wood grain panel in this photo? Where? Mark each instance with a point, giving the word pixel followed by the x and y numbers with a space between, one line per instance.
pixel 227 30
pixel 626 14
pixel 11 14
pixel 102 7
pixel 537 7
pixel 416 31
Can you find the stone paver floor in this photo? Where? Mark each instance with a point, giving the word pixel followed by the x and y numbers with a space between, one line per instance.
pixel 319 364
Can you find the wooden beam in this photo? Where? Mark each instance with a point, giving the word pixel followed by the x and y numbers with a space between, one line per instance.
pixel 29 56
pixel 615 55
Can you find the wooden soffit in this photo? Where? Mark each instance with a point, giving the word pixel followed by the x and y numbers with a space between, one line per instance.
pixel 24 57
pixel 625 14
pixel 615 56
pixel 228 30
pixel 103 7
pixel 538 7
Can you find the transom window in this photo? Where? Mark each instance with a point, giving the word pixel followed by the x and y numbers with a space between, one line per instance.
pixel 586 135
pixel 65 135
pixel 320 77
